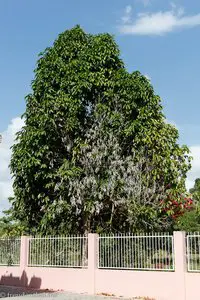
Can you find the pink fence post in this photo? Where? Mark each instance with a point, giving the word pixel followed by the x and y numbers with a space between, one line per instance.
pixel 180 263
pixel 24 253
pixel 92 260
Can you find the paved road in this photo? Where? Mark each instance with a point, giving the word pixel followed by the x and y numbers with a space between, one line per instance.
pixel 16 293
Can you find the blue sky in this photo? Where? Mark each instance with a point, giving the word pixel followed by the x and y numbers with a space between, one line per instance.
pixel 160 38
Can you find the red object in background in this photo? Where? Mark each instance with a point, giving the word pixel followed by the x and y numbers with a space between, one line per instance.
pixel 178 207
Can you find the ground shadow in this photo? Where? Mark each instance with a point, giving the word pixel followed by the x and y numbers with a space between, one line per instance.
pixel 11 286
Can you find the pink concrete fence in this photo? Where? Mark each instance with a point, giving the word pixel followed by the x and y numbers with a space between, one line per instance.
pixel 88 277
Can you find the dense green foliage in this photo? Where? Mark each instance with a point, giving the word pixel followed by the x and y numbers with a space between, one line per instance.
pixel 189 222
pixel 11 227
pixel 79 79
pixel 195 191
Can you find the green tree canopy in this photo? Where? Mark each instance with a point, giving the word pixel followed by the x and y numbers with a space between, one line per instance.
pixel 9 226
pixel 195 191
pixel 189 222
pixel 77 79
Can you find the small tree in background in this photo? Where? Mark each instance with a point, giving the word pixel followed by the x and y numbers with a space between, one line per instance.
pixel 189 221
pixel 195 191
pixel 11 227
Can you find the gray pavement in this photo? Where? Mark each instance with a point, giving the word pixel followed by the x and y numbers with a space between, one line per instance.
pixel 16 293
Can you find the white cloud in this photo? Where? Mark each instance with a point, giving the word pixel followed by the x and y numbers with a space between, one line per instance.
pixel 195 171
pixel 126 18
pixel 160 23
pixel 147 77
pixel 8 138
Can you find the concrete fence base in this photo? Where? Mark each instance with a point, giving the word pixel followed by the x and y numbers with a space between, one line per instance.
pixel 161 285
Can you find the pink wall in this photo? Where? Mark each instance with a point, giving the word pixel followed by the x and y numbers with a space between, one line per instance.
pixel 158 285
pixel 192 286
pixel 72 280
pixel 178 285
